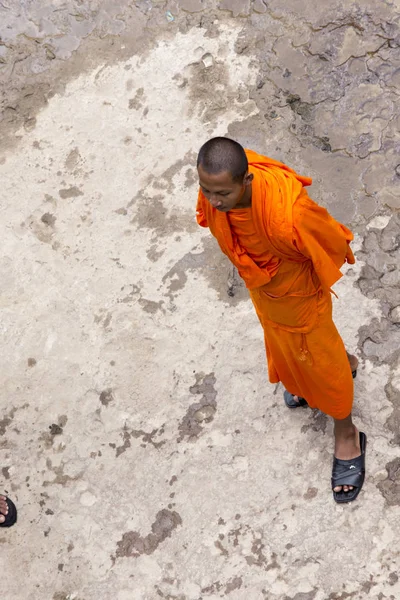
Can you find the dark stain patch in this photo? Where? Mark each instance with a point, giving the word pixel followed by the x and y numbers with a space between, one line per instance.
pixel 167 176
pixel 211 589
pixel 55 429
pixel 303 596
pixel 129 297
pixel 310 493
pixel 191 178
pixel 153 253
pixel 125 445
pixel 367 586
pixel 5 472
pixel 60 477
pixel 152 214
pixel 43 229
pixel 393 421
pixel 72 159
pixel 104 318
pixel 318 422
pixel 121 211
pixel 133 544
pixel 202 411
pixel 6 421
pixel 173 480
pixel 50 199
pixel 71 192
pixel 32 362
pixel 106 397
pixel 137 101
pixel 257 556
pixel 65 596
pixel 220 547
pixel 303 109
pixel 234 584
pixel 146 438
pixel 205 106
pixel 393 578
pixel 214 265
pixel 48 219
pixel 150 306
pixel 390 487
pixel 235 534
pixel 107 320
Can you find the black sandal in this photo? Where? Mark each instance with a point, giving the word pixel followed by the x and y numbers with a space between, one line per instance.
pixel 291 402
pixel 11 516
pixel 349 472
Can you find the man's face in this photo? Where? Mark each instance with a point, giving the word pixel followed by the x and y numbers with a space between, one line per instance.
pixel 221 191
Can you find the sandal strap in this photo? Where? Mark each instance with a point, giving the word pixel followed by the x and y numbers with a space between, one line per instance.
pixel 348 472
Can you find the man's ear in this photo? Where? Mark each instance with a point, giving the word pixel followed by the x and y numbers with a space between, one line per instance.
pixel 248 178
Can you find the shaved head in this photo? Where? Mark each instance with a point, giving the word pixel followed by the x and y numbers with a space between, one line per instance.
pixel 222 154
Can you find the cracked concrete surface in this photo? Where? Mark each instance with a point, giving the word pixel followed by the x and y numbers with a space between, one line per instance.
pixel 147 453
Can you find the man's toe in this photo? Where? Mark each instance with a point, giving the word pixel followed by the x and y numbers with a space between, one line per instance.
pixel 2 518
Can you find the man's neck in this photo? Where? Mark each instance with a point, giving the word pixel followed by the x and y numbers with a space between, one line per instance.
pixel 246 199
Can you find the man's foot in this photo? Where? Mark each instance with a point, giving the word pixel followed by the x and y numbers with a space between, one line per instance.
pixel 350 473
pixel 8 512
pixel 353 361
pixel 3 509
pixel 293 401
pixel 347 446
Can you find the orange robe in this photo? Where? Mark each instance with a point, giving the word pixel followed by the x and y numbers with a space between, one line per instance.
pixel 289 251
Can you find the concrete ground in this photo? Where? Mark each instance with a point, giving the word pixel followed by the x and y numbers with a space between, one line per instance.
pixel 147 453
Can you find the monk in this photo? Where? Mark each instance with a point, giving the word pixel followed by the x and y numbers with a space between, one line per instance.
pixel 289 251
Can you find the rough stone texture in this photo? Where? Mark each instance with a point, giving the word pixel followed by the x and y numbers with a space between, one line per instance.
pixel 147 454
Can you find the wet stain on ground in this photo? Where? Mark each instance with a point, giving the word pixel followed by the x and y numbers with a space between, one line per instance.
pixel 390 487
pixel 312 492
pixel 106 396
pixel 318 421
pixel 133 544
pixel 150 306
pixel 48 219
pixel 55 429
pixel 213 265
pixel 137 101
pixel 72 159
pixel 6 421
pixel 146 438
pixel 302 595
pixel 71 192
pixel 202 411
pixel 151 213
